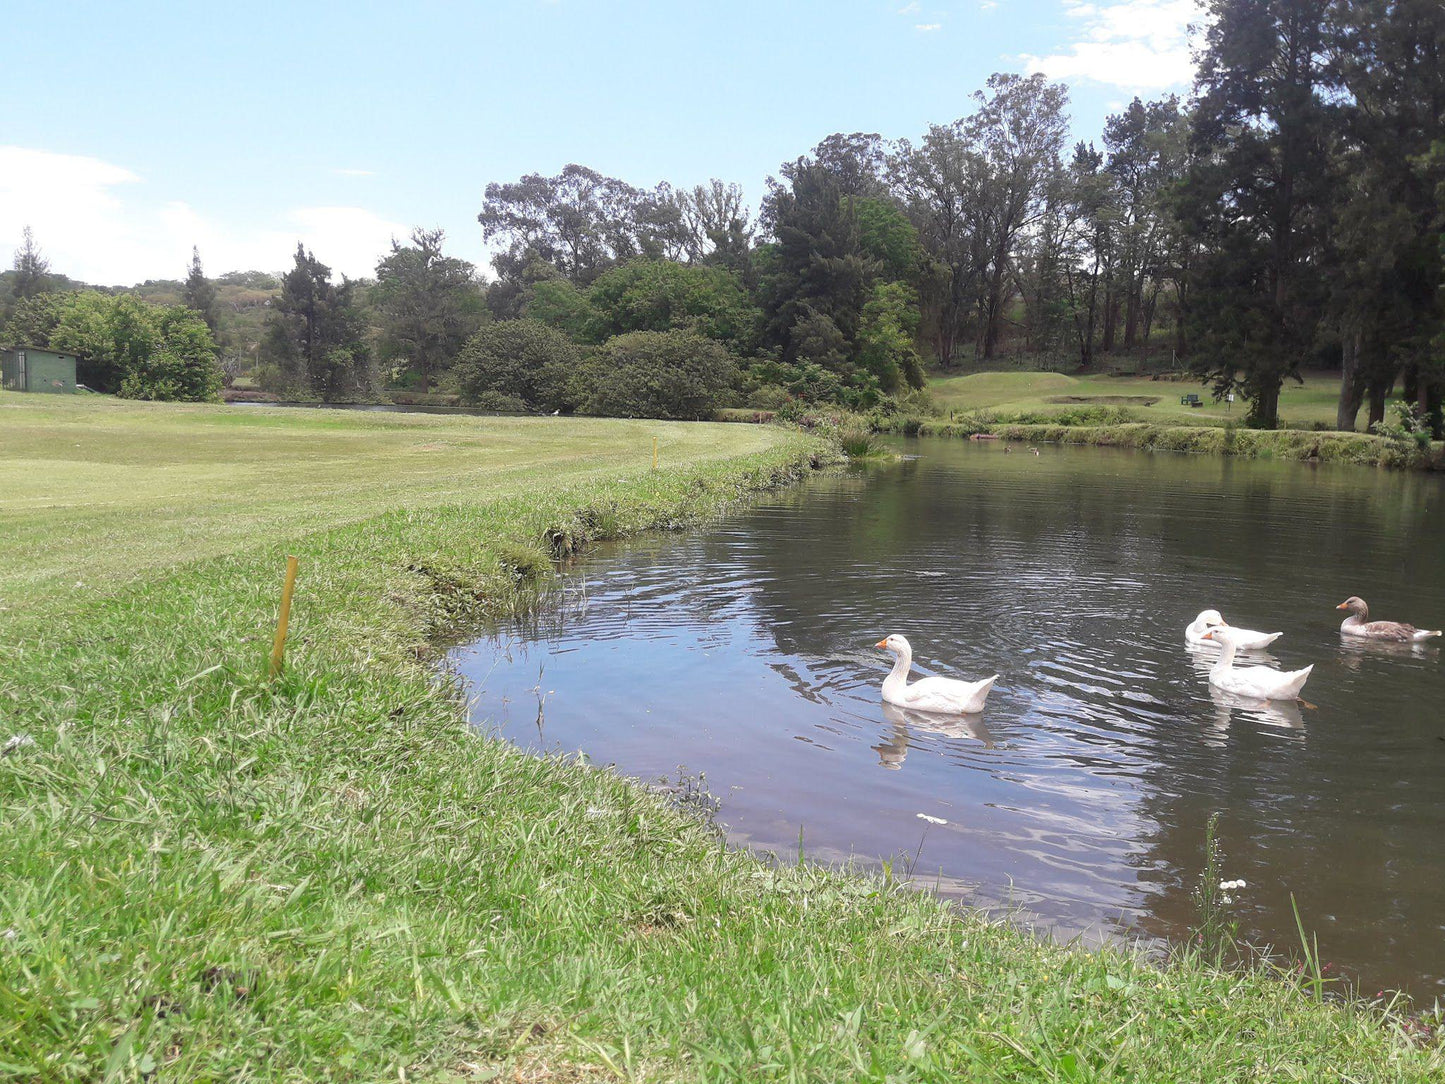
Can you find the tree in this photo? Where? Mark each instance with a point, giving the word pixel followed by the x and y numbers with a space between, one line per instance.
pixel 1018 131
pixel 34 319
pixel 520 365
pixel 32 270
pixel 579 221
pixel 1384 244
pixel 718 228
pixel 1257 196
pixel 886 349
pixel 200 294
pixel 658 374
pixel 314 333
pixel 942 181
pixel 429 305
pixel 660 295
pixel 819 275
pixel 136 349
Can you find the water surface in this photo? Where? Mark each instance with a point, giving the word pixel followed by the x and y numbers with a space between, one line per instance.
pixel 1080 797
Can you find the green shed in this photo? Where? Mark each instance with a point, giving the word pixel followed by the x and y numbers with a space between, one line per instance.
pixel 29 368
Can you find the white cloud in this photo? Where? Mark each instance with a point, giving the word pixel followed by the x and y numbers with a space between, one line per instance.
pixel 909 9
pixel 101 223
pixel 1139 44
pixel 987 5
pixel 927 28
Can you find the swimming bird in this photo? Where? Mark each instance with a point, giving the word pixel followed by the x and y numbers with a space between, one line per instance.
pixel 1244 639
pixel 1255 682
pixel 1359 624
pixel 937 694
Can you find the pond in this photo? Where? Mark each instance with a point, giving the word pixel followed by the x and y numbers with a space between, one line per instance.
pixel 1078 801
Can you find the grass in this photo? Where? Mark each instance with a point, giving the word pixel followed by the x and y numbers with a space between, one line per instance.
pixel 204 876
pixel 1040 393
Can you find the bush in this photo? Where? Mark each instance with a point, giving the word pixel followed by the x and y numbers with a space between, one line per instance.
pixel 523 362
pixel 659 374
pixel 138 350
pixel 500 402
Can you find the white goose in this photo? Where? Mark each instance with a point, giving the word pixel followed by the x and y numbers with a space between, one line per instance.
pixel 1244 639
pixel 1255 682
pixel 936 694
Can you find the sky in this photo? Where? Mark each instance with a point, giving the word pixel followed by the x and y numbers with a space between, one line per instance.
pixel 133 131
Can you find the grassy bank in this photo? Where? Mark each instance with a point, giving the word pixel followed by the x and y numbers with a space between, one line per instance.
pixel 1045 395
pixel 203 876
pixel 1303 445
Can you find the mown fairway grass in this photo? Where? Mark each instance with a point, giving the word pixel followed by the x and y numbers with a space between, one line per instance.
pixel 1006 393
pixel 205 877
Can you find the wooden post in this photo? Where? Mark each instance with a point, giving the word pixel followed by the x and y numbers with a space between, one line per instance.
pixel 278 646
pixel 654 453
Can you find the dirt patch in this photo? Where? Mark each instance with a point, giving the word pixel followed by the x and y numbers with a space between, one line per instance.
pixel 1106 400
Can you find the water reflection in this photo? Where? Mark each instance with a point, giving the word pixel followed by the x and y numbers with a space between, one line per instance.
pixel 745 651
pixel 893 749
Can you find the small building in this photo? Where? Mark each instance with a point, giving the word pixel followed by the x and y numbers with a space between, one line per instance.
pixel 29 368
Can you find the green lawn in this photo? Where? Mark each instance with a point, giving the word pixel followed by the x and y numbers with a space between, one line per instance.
pixel 1301 405
pixel 100 491
pixel 205 875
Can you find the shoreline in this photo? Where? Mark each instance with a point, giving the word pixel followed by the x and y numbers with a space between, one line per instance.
pixel 335 875
pixel 1301 445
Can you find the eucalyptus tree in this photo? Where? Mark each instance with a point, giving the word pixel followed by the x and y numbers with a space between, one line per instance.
pixel 580 222
pixel 941 181
pixel 1018 133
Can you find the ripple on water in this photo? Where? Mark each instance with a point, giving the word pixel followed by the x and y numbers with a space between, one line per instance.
pixel 1079 798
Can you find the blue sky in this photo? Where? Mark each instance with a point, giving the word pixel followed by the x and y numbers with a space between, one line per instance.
pixel 139 129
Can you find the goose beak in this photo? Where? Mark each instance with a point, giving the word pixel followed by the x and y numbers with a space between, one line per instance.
pixel 881 643
pixel 1342 606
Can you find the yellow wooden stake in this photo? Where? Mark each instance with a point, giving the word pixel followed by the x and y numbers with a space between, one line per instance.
pixel 654 453
pixel 278 647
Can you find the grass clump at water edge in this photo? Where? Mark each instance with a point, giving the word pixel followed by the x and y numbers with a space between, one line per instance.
pixel 206 876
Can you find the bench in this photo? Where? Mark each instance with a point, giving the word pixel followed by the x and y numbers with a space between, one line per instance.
pixel 1190 400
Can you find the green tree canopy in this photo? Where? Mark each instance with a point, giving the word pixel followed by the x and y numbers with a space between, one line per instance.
pixel 659 374
pixel 136 349
pixel 314 333
pixel 519 364
pixel 429 305
pixel 661 295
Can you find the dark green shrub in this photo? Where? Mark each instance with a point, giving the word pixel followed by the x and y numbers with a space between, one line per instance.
pixel 518 362
pixel 658 374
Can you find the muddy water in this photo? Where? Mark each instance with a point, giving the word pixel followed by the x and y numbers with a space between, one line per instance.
pixel 1079 798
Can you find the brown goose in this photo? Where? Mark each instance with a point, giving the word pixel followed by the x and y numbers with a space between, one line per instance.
pixel 1359 624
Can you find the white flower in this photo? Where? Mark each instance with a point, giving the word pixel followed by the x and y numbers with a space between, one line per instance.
pixel 1226 886
pixel 931 820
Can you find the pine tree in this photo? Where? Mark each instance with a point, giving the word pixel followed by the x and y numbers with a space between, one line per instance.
pixel 314 333
pixel 200 293
pixel 1258 197
pixel 32 270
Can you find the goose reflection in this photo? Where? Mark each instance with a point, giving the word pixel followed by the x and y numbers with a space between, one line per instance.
pixel 1355 650
pixel 893 751
pixel 1285 714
